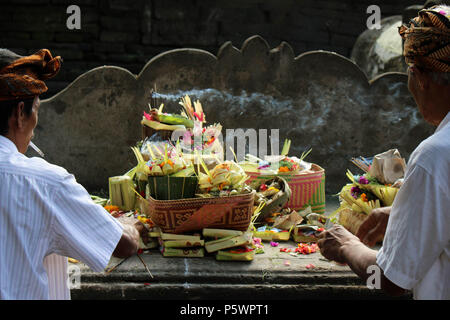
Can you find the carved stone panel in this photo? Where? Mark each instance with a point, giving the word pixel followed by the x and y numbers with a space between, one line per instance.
pixel 319 100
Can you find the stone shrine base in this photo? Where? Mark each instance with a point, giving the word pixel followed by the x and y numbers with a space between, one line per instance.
pixel 271 275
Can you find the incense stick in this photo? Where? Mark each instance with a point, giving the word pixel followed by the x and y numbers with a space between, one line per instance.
pixel 113 268
pixel 142 260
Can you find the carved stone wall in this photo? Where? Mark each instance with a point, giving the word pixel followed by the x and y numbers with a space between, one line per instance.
pixel 319 99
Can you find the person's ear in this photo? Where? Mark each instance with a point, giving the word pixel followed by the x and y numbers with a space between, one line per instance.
pixel 20 114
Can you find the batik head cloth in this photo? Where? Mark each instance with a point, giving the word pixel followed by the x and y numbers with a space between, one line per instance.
pixel 427 39
pixel 24 78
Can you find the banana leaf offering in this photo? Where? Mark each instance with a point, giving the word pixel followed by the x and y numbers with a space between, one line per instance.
pixel 280 164
pixel 159 120
pixel 166 175
pixel 227 178
pixel 187 128
pixel 367 191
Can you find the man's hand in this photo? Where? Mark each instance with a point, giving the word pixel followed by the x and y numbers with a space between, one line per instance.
pixel 331 242
pixel 129 243
pixel 136 224
pixel 373 228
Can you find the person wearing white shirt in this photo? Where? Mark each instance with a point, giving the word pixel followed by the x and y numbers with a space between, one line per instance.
pixel 415 254
pixel 45 215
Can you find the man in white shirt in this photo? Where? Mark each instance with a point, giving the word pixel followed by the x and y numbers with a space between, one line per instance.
pixel 416 249
pixel 45 215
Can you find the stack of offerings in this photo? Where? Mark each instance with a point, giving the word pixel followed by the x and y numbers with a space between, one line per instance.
pixel 274 223
pixel 375 188
pixel 308 229
pixel 278 226
pixel 179 189
pixel 222 201
pixel 187 128
pixel 274 194
pixel 166 175
pixel 306 180
pixel 153 233
pixel 229 245
pixel 116 211
pixel 178 245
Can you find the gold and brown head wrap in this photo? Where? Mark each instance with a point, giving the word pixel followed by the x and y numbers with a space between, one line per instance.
pixel 24 78
pixel 427 39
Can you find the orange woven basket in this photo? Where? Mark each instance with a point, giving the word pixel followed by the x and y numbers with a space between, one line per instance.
pixel 194 214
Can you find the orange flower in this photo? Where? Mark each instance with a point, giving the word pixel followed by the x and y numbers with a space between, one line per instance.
pixel 364 197
pixel 283 169
pixel 275 214
pixel 111 208
pixel 222 185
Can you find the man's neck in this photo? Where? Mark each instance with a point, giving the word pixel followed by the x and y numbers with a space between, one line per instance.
pixel 12 137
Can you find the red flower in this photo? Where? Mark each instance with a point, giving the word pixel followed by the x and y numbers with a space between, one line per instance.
pixel 200 117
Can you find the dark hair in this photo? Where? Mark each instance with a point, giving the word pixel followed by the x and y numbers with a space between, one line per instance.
pixel 7 108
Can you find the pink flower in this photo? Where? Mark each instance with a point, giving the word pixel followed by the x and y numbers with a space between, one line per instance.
pixel 148 116
pixel 363 180
pixel 257 240
pixel 355 192
pixel 274 244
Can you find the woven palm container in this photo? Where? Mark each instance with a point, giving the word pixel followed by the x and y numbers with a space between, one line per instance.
pixel 307 189
pixel 352 220
pixel 194 214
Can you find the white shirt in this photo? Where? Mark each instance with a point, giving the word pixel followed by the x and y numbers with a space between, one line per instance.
pixel 416 249
pixel 45 217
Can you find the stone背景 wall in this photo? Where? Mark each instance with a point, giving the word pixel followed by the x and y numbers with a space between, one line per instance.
pixel 129 33
pixel 319 100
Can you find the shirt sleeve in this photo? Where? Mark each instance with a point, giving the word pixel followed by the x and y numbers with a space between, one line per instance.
pixel 82 229
pixel 417 231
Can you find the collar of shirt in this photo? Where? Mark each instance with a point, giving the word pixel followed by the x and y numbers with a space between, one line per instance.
pixel 444 122
pixel 7 145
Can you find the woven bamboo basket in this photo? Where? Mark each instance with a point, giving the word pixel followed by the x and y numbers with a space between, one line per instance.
pixel 194 214
pixel 351 220
pixel 279 203
pixel 307 189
